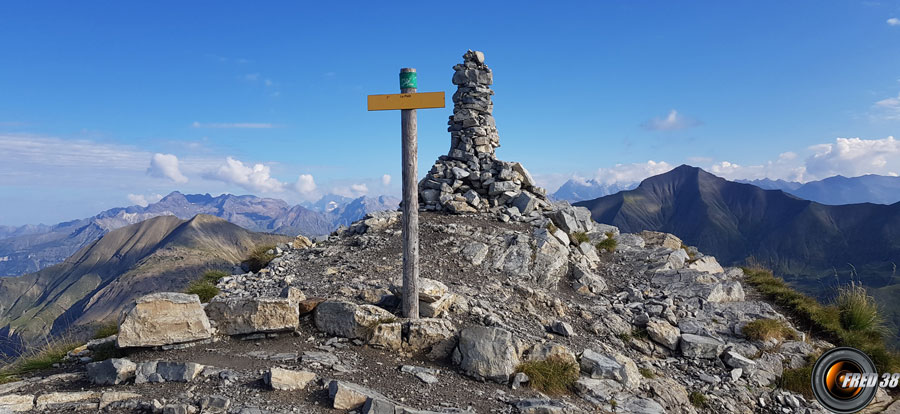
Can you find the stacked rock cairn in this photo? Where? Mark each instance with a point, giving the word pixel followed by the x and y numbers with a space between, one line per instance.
pixel 470 178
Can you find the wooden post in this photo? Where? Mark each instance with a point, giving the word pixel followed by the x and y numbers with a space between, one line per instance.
pixel 410 201
pixel 407 101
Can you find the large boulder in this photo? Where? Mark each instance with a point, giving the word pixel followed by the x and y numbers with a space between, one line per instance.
pixel 236 316
pixel 113 371
pixel 349 320
pixel 487 353
pixel 163 319
pixel 551 259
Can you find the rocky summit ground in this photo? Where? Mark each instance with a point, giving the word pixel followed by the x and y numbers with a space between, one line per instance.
pixel 652 326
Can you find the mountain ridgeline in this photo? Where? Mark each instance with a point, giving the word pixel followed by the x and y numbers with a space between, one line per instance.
pixel 30 248
pixel 814 246
pixel 879 189
pixel 162 253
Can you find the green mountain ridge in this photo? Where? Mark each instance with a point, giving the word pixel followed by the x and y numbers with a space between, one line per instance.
pixel 91 286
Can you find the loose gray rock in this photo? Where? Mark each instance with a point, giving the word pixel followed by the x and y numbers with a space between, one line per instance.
pixel 113 371
pixel 487 353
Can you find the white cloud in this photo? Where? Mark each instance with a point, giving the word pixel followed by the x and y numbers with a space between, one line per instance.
pixel 893 21
pixel 252 77
pixel 255 178
pixel 18 149
pixel 142 200
pixel 305 184
pixel 854 156
pixel 250 125
pixel 630 173
pixel 888 108
pixel 386 180
pixel 166 166
pixel 671 122
pixel 352 191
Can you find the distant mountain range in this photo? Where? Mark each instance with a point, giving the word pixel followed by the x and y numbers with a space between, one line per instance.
pixel 30 248
pixel 160 254
pixel 837 190
pixel 815 246
pixel 577 190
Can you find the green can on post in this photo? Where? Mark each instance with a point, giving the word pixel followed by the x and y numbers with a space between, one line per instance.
pixel 408 80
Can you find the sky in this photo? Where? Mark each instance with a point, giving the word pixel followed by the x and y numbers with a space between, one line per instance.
pixel 107 104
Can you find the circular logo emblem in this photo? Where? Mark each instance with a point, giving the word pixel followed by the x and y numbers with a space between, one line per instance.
pixel 842 380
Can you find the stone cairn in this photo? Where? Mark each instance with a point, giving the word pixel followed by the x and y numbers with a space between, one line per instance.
pixel 470 178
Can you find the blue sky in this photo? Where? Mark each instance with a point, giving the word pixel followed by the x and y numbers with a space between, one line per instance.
pixel 106 104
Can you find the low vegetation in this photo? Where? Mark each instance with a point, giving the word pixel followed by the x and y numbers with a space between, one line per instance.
pixel 260 257
pixel 768 329
pixel 552 376
pixel 858 309
pixel 580 237
pixel 205 286
pixel 43 358
pixel 609 244
pixel 853 319
pixel 647 373
pixel 798 380
pixel 698 399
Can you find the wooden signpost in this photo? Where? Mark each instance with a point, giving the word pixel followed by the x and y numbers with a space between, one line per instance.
pixel 407 101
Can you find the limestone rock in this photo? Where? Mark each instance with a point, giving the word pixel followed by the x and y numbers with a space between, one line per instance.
pixel 696 346
pixel 49 400
pixel 618 367
pixel 487 353
pixel 178 371
pixel 424 333
pixel 349 396
pixel 237 316
pixel 16 403
pixel 163 319
pixel 664 333
pixel 109 397
pixel 540 352
pixel 288 380
pixel 387 336
pixel 706 264
pixel 113 371
pixel 659 239
pixel 346 319
pixel 430 290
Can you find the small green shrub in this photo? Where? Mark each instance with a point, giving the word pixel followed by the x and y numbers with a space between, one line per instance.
pixel 647 373
pixel 640 333
pixel 260 258
pixel 766 329
pixel 698 399
pixel 625 337
pixel 553 376
pixel 609 244
pixel 798 380
pixel 858 310
pixel 213 276
pixel 580 237
pixel 204 289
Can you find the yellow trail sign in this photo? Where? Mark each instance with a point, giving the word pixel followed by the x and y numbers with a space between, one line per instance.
pixel 406 101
